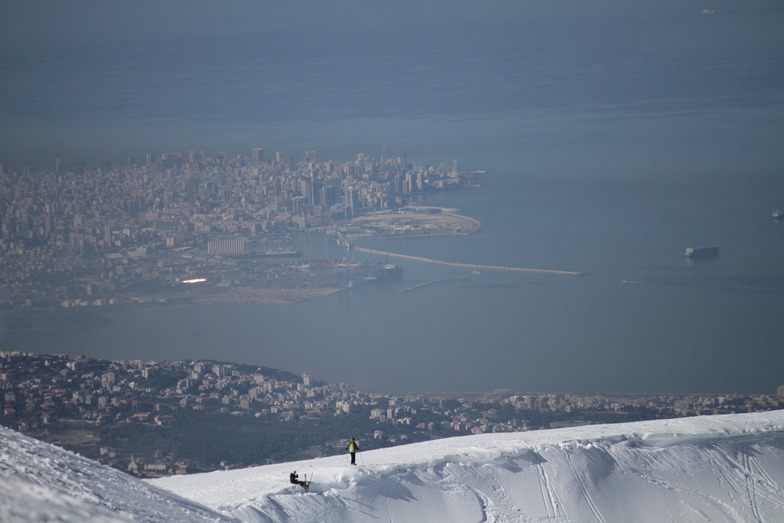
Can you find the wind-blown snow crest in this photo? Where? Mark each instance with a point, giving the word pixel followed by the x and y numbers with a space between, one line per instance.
pixel 713 468
pixel 42 482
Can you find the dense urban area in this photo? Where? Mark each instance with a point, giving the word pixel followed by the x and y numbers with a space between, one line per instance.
pixel 192 226
pixel 159 418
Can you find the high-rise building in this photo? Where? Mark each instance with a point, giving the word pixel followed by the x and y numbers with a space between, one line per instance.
pixel 328 196
pixel 408 184
pixel 194 157
pixel 258 155
pixel 351 201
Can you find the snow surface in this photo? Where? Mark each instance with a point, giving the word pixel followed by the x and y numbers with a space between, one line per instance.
pixel 710 468
pixel 42 482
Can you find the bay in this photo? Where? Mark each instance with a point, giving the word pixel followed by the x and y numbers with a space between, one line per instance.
pixel 613 137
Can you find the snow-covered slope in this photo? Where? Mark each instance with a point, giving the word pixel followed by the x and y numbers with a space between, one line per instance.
pixel 712 468
pixel 42 482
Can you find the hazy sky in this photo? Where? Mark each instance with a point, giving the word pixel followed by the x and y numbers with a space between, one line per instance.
pixel 55 53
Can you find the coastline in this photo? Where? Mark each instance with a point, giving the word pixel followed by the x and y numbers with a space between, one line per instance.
pixel 56 319
pixel 253 295
pixel 424 220
pixel 439 223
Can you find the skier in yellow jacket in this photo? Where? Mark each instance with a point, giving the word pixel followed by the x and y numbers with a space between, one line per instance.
pixel 352 449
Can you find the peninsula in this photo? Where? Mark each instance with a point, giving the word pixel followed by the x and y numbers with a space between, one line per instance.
pixel 178 228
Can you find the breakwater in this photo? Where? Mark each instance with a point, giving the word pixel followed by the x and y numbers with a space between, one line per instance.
pixel 467 265
pixel 431 282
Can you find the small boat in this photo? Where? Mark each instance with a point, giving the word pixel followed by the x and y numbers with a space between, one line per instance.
pixel 702 252
pixel 777 215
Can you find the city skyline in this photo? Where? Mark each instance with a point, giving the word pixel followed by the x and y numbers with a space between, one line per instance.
pixel 86 236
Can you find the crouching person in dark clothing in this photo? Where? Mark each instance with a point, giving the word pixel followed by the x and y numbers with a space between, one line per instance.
pixel 293 478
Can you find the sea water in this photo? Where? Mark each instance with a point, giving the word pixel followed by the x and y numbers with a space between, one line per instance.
pixel 612 137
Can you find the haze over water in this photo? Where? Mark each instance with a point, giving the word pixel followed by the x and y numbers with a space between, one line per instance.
pixel 614 135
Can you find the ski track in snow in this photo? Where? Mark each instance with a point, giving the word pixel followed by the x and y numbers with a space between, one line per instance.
pixel 584 490
pixel 548 495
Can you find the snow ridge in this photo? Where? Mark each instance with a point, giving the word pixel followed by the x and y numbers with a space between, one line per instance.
pixel 42 482
pixel 711 468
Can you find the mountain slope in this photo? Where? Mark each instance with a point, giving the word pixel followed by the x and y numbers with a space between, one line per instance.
pixel 712 468
pixel 42 482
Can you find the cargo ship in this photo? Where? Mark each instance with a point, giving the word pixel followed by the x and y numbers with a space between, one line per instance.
pixel 702 252
pixel 280 253
pixel 386 273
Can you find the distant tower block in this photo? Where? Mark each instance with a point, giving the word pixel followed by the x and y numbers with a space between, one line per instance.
pixel 780 392
pixel 384 154
pixel 310 156
pixel 307 379
pixel 258 155
pixel 351 201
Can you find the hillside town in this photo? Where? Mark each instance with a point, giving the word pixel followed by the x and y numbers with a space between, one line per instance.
pixel 75 401
pixel 110 235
